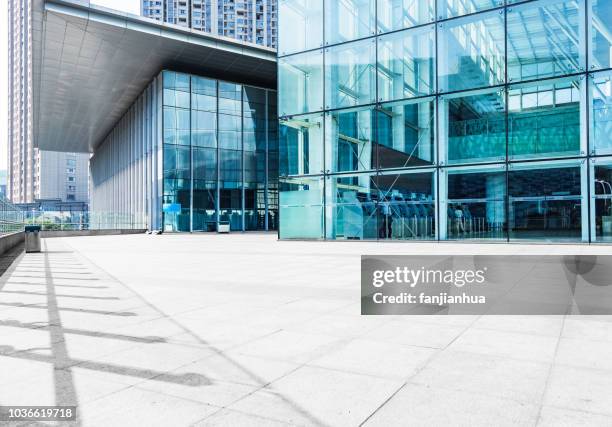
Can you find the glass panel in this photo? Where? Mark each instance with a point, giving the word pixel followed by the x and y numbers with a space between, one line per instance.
pixel 405 134
pixel 352 208
pixel 300 25
pixel 476 204
pixel 349 140
pixel 204 189
pixel 273 162
pixel 545 202
pixel 476 129
pixel 203 129
pixel 350 74
pixel 544 119
pixel 301 207
pixel 406 64
pixel 602 205
pixel 406 206
pixel 176 89
pixel 230 112
pixel 176 204
pixel 300 82
pixel 176 126
pixel 255 143
pixel 544 39
pixel 601 35
pixel 177 160
pixel 450 8
pixel 399 14
pixel 471 52
pixel 230 184
pixel 347 20
pixel 301 145
pixel 203 94
pixel 601 113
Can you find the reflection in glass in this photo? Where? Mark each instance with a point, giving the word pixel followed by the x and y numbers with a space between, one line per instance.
pixel 602 190
pixel 544 39
pixel 176 89
pixel 399 14
pixel 301 145
pixel 349 139
pixel 299 25
pixel 347 20
pixel 352 208
pixel 406 64
pixel 601 113
pixel 545 202
pixel 177 164
pixel 350 74
pixel 450 8
pixel 471 52
pixel 476 129
pixel 476 204
pixel 544 119
pixel 176 126
pixel 254 143
pixel 405 133
pixel 300 83
pixel 204 189
pixel 301 208
pixel 601 35
pixel 405 206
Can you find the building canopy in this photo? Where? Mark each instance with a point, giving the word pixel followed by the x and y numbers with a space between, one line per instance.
pixel 90 63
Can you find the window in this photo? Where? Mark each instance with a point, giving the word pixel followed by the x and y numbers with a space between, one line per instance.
pixel 399 14
pixel 406 64
pixel 350 72
pixel 301 21
pixel 301 145
pixel 475 205
pixel 405 133
pixel 300 81
pixel 347 20
pixel 543 123
pixel 473 126
pixel 544 40
pixel 471 52
pixel 545 201
pixel 350 139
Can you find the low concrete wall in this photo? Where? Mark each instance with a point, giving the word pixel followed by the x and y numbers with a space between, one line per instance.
pixel 74 233
pixel 9 241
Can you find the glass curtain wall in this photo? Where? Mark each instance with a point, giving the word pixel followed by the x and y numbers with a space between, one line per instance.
pixel 220 156
pixel 446 119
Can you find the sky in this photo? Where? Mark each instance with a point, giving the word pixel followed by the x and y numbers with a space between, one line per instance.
pixel 132 6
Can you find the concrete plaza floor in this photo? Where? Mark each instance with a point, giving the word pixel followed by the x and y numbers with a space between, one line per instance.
pixel 243 330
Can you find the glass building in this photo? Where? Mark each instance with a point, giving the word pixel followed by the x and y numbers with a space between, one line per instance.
pixel 445 120
pixel 193 152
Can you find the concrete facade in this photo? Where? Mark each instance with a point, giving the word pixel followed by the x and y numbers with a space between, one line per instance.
pixel 34 174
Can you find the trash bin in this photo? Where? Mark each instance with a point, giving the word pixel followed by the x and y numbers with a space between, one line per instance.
pixel 223 227
pixel 32 238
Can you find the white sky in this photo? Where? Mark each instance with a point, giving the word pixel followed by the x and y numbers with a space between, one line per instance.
pixel 132 6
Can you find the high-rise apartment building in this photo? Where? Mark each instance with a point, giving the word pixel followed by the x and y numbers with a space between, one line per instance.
pixel 251 21
pixel 34 174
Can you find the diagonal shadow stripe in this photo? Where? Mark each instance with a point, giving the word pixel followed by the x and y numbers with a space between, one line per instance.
pixel 190 379
pixel 76 310
pixel 72 331
pixel 60 295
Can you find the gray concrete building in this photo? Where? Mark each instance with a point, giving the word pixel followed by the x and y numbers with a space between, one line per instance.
pixel 34 174
pixel 252 21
